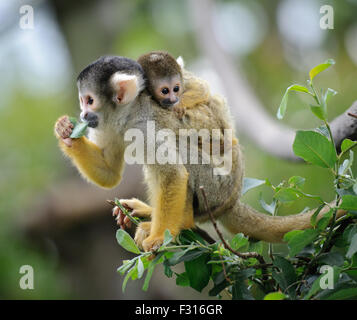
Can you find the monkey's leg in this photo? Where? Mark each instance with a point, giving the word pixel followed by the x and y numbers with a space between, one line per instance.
pixel 169 195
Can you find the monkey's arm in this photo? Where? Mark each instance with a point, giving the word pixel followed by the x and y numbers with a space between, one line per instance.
pixel 168 188
pixel 93 163
pixel 97 165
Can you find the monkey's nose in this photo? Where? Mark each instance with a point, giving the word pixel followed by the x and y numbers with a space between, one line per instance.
pixel 84 115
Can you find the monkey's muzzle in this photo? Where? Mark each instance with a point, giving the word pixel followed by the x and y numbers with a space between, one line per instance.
pixel 168 103
pixel 92 119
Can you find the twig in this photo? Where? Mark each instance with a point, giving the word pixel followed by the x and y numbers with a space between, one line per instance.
pixel 242 255
pixel 352 115
pixel 125 211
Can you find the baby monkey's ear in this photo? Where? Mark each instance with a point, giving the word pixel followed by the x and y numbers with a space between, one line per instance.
pixel 180 62
pixel 126 87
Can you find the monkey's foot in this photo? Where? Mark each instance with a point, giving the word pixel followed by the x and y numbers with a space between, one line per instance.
pixel 137 208
pixel 152 243
pixel 142 232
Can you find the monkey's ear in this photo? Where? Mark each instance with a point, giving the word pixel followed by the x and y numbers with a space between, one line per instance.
pixel 180 62
pixel 126 87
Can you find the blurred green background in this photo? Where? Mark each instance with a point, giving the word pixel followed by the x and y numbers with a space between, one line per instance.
pixel 74 254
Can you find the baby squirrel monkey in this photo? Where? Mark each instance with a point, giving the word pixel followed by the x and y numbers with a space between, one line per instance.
pixel 113 100
pixel 171 85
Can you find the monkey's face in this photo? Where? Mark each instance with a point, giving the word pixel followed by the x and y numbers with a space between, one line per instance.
pixel 167 91
pixel 102 101
pixel 90 105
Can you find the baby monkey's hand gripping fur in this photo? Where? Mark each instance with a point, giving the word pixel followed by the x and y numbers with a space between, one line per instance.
pixel 173 189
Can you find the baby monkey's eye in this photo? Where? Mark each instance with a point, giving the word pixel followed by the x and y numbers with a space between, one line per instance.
pixel 90 100
pixel 165 90
pixel 177 89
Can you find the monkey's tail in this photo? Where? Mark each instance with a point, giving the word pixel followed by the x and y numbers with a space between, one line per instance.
pixel 242 218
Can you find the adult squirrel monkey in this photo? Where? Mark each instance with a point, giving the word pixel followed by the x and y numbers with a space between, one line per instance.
pixel 113 101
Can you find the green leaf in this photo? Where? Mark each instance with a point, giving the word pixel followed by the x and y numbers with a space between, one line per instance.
pixel 73 120
pixel 349 232
pixel 344 294
pixel 296 181
pixel 318 111
pixel 314 288
pixel 239 288
pixel 321 67
pixel 283 104
pixel 313 219
pixel 267 207
pixel 353 247
pixel 323 130
pixel 331 258
pixel 140 267
pixel 250 183
pixel 347 144
pixel 349 203
pixel 239 241
pixel 158 259
pixel 344 167
pixel 188 236
pixel 167 270
pixel 188 254
pixel 126 241
pixel 79 130
pixel 300 240
pixel 287 276
pixel 167 237
pixel 275 296
pixel 256 246
pixel 289 235
pixel 128 275
pixel 125 267
pixel 182 280
pixel 198 272
pixel 328 94
pixel 325 220
pixel 287 195
pixel 315 148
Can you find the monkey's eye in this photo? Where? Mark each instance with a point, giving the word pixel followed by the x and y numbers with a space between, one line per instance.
pixel 90 100
pixel 165 90
pixel 177 89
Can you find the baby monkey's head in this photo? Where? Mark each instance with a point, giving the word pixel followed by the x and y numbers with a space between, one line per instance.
pixel 163 77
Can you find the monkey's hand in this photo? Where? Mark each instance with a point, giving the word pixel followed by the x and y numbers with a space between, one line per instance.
pixel 137 208
pixel 63 130
pixel 179 111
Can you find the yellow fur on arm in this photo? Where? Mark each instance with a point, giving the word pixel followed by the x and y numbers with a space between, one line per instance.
pixel 90 162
